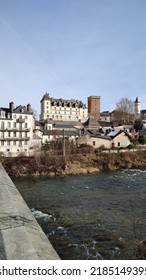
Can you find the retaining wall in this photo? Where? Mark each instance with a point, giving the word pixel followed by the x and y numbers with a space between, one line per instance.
pixel 21 237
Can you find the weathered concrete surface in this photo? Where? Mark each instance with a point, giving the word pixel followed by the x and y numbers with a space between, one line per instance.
pixel 21 237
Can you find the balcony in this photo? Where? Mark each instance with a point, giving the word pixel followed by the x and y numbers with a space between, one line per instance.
pixel 14 139
pixel 17 129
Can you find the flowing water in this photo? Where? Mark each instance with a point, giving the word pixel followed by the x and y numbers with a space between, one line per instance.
pixel 88 216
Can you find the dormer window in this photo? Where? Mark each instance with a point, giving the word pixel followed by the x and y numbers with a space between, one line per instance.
pixel 2 114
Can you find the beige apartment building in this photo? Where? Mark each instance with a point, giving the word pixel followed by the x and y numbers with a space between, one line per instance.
pixel 16 130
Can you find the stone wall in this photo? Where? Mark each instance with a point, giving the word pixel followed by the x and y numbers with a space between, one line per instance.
pixel 21 237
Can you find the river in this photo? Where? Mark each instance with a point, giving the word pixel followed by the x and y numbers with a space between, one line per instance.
pixel 89 216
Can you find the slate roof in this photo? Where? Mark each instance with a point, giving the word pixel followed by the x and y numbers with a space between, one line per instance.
pixel 63 126
pixel 91 132
pixel 45 97
pixel 136 100
pixel 7 110
pixel 105 123
pixel 101 137
pixel 105 114
pixel 19 109
pixel 67 133
pixel 62 102
pixel 91 122
pixel 22 109
pixel 143 111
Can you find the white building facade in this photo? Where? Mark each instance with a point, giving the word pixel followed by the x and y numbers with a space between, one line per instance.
pixel 62 109
pixel 16 130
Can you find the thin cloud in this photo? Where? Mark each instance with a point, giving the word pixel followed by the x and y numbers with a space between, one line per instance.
pixel 33 53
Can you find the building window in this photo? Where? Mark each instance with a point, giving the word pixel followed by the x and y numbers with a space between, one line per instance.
pixel 14 124
pixel 118 144
pixel 14 143
pixel 25 125
pixel 93 143
pixel 14 134
pixel 3 114
pixel 9 124
pixel 2 125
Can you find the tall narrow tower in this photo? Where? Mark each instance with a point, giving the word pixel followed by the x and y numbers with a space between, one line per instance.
pixel 137 108
pixel 94 106
pixel 45 106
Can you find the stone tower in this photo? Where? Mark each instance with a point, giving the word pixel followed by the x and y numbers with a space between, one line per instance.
pixel 94 107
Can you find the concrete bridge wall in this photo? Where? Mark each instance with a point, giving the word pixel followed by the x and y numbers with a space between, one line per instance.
pixel 21 237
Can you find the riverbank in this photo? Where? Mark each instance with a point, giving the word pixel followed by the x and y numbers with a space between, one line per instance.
pixel 44 165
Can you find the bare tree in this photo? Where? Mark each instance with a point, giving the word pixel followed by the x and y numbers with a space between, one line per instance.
pixel 124 111
pixel 35 113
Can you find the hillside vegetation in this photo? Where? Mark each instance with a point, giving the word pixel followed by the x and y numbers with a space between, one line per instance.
pixel 59 165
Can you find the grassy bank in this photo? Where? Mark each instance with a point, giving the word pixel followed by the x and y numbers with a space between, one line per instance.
pixel 73 164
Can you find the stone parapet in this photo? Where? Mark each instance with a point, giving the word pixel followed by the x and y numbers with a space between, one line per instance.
pixel 21 237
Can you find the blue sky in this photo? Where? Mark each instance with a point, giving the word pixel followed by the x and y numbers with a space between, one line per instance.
pixel 72 49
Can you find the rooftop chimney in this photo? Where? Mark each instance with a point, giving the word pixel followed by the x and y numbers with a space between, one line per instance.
pixel 11 106
pixel 29 108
